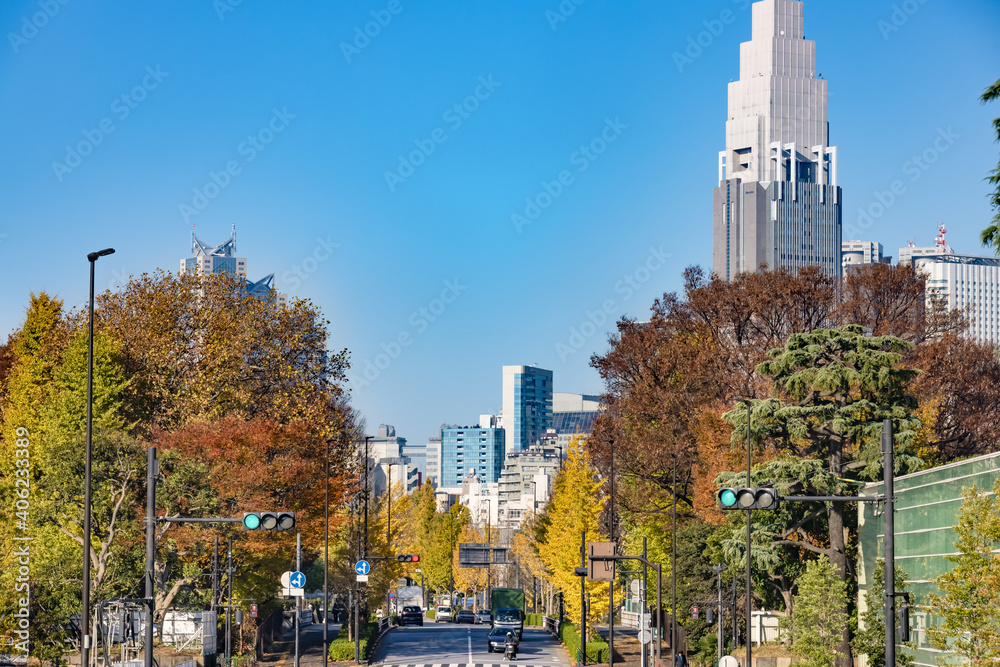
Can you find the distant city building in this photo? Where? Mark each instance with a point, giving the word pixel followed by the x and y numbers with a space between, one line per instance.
pixel 417 456
pixel 386 444
pixel 859 253
pixel 778 203
pixel 481 499
pixel 527 405
pixel 526 483
pixel 216 260
pixel 966 283
pixel 910 253
pixel 564 402
pixel 470 448
pixel 434 460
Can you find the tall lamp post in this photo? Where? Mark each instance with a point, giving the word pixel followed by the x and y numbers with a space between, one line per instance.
pixel 85 644
pixel 367 439
pixel 326 558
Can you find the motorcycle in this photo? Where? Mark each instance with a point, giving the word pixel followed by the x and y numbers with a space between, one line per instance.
pixel 510 649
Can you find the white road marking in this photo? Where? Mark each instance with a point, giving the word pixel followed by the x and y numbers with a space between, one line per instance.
pixel 470 647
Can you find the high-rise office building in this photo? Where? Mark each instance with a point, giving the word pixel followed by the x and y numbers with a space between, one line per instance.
pixel 469 450
pixel 778 203
pixel 527 405
pixel 215 260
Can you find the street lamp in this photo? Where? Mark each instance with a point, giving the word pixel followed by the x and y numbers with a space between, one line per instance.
pixel 85 644
pixel 326 559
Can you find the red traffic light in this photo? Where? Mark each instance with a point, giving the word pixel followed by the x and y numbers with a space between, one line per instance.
pixel 407 558
pixel 416 558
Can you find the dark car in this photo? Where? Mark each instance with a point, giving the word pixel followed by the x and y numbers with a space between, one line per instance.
pixel 466 616
pixel 414 615
pixel 498 639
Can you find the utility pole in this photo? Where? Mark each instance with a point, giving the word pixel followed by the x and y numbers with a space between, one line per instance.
pixel 673 567
pixel 583 601
pixel 719 569
pixel 749 529
pixel 298 599
pixel 151 472
pixel 229 606
pixel 888 473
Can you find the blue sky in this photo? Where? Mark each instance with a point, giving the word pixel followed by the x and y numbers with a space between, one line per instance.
pixel 255 113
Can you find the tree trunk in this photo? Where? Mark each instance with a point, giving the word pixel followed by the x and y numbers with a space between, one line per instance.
pixel 838 557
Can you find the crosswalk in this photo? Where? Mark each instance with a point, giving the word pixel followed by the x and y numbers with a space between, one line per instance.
pixel 464 664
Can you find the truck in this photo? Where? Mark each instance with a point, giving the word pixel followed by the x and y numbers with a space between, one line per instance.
pixel 408 596
pixel 507 609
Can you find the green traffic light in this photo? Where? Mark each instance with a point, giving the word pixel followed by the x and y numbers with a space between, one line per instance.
pixel 728 497
pixel 251 521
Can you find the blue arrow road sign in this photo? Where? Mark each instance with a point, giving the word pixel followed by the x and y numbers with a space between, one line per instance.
pixel 297 580
pixel 362 567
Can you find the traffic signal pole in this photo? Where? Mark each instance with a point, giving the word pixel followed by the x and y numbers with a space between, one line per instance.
pixel 151 471
pixel 298 599
pixel 890 545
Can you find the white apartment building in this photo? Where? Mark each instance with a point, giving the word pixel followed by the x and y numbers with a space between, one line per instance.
pixel 967 283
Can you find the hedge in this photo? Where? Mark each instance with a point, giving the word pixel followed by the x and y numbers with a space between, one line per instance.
pixel 534 619
pixel 341 648
pixel 597 651
pixel 430 614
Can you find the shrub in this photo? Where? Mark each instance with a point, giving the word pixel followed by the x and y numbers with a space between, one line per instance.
pixel 342 650
pixel 597 651
pixel 534 619
pixel 430 614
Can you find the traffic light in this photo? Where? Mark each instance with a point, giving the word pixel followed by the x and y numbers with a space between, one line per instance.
pixel 748 499
pixel 407 558
pixel 710 616
pixel 269 520
pixel 904 621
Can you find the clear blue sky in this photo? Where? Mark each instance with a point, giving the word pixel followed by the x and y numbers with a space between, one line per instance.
pixel 211 74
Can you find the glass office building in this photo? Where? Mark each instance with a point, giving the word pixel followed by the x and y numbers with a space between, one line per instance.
pixel 470 448
pixel 527 405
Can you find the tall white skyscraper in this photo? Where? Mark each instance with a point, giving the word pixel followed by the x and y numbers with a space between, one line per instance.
pixel 778 203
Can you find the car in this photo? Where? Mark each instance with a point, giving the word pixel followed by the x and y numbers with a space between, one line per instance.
pixel 443 615
pixel 465 616
pixel 498 639
pixel 412 615
pixel 483 617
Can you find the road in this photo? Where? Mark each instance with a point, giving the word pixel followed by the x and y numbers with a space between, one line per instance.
pixel 444 644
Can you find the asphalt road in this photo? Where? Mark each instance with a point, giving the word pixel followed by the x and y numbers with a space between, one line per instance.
pixel 448 644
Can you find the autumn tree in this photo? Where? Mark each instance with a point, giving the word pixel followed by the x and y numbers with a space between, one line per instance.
pixel 833 389
pixel 574 512
pixel 969 604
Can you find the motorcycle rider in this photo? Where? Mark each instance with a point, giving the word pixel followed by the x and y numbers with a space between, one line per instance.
pixel 510 647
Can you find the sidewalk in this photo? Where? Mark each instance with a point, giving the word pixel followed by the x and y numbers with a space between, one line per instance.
pixel 628 650
pixel 310 647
